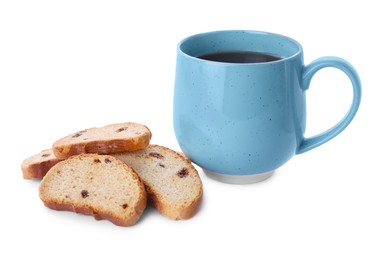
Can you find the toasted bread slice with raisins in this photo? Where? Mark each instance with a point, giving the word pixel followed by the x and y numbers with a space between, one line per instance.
pixel 36 166
pixel 109 139
pixel 98 185
pixel 172 183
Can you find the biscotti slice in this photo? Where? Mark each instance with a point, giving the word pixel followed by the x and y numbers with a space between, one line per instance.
pixel 98 185
pixel 109 139
pixel 173 185
pixel 36 166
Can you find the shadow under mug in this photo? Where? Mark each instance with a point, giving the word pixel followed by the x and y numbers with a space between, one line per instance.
pixel 241 121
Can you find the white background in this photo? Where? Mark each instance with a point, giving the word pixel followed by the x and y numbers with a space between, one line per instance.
pixel 70 65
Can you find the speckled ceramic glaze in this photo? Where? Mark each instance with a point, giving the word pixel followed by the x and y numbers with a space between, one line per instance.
pixel 240 122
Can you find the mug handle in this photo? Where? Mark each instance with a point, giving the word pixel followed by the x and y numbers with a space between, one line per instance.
pixel 308 72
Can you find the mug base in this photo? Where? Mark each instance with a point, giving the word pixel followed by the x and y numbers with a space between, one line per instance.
pixel 238 179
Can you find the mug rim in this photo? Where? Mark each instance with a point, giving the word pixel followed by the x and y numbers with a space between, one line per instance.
pixel 296 53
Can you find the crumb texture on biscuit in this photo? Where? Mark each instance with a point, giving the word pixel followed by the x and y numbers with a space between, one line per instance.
pixel 97 185
pixel 173 184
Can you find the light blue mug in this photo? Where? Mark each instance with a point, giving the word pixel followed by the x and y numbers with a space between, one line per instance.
pixel 241 121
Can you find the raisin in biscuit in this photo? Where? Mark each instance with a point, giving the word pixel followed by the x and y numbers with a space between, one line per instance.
pixel 104 140
pixel 173 185
pixel 98 185
pixel 36 166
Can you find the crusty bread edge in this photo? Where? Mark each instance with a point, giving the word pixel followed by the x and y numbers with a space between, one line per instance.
pixel 63 151
pixel 138 209
pixel 37 170
pixel 176 214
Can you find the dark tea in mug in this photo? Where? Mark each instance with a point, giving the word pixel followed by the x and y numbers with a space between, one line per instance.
pixel 239 57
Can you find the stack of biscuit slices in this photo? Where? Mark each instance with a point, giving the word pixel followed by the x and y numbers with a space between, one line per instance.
pixel 113 172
